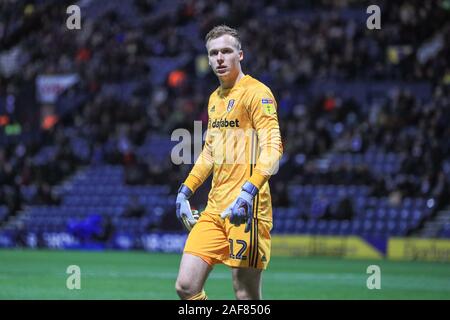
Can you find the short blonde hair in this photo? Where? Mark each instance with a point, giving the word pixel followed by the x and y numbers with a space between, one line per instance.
pixel 221 30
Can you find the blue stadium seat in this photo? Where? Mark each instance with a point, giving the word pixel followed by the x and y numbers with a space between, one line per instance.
pixel 370 214
pixel 345 227
pixel 381 214
pixel 355 227
pixel 322 226
pixel 380 227
pixel 405 214
pixel 300 226
pixel 367 226
pixel 278 226
pixel 311 226
pixel 393 214
pixel 333 227
pixel 289 226
pixel 292 213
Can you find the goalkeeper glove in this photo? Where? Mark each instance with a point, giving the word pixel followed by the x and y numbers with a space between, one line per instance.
pixel 241 210
pixel 184 213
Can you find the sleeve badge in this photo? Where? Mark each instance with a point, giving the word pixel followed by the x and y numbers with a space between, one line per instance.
pixel 268 106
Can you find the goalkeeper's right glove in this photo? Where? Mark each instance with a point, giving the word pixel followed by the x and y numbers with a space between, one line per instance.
pixel 183 208
pixel 240 210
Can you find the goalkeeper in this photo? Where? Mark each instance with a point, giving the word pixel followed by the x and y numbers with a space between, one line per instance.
pixel 242 150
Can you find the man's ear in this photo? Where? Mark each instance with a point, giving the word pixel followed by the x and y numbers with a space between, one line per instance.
pixel 241 55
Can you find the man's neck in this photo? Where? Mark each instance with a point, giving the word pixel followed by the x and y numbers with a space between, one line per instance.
pixel 226 85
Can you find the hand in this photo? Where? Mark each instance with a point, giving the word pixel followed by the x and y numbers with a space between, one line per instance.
pixel 183 208
pixel 241 210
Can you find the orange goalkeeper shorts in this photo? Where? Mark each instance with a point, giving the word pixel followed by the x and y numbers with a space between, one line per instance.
pixel 216 240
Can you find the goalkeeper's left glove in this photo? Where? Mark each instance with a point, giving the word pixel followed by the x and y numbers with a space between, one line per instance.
pixel 184 213
pixel 241 210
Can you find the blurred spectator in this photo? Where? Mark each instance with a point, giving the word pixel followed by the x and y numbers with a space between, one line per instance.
pixel 134 208
pixel 343 210
pixel 45 196
pixel 106 230
pixel 135 173
pixel 280 196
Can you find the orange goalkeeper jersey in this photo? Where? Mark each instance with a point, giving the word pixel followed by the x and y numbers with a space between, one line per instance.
pixel 242 143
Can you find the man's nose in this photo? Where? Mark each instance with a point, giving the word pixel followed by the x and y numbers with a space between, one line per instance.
pixel 219 56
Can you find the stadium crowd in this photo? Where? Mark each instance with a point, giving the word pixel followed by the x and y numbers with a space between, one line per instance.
pixel 119 56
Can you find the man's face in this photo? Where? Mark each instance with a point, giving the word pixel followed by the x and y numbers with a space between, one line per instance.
pixel 224 56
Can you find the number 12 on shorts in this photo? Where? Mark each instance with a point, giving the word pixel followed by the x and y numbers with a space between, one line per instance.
pixel 239 254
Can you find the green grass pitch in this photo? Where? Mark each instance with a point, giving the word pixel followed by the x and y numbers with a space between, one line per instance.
pixel 41 274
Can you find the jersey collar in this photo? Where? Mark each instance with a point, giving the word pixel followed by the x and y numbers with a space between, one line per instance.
pixel 225 92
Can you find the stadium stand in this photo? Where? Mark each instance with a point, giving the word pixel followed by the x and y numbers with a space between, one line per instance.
pixel 364 114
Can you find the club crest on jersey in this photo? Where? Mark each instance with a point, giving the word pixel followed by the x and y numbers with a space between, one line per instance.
pixel 230 105
pixel 268 106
